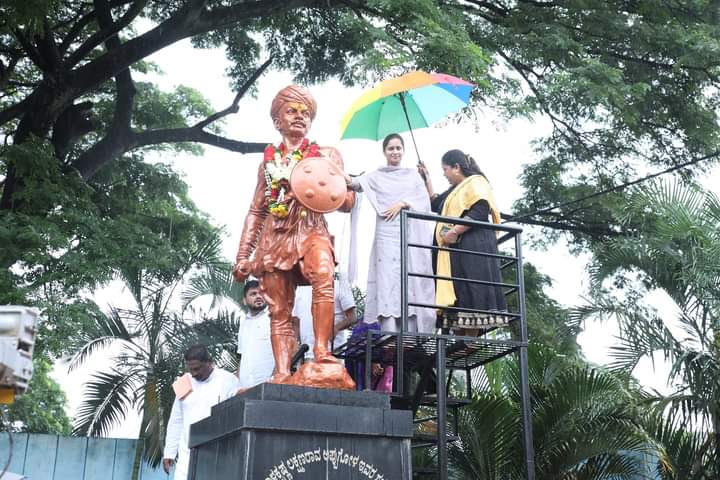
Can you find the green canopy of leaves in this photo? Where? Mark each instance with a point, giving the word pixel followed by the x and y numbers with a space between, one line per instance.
pixel 41 409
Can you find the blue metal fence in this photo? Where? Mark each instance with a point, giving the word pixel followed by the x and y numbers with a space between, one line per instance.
pixel 52 457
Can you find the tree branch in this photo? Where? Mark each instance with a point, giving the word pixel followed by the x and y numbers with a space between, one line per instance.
pixel 48 48
pixel 187 22
pixel 106 32
pixel 82 22
pixel 538 4
pixel 124 82
pixel 6 71
pixel 502 12
pixel 191 134
pixel 541 99
pixel 233 108
pixel 32 53
pixel 102 152
pixel 118 136
pixel 591 229
pixel 121 139
pixel 222 16
pixel 14 111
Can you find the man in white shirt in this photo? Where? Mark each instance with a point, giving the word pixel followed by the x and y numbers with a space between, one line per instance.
pixel 210 386
pixel 344 313
pixel 254 346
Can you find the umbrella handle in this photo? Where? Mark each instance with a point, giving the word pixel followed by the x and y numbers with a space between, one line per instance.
pixel 420 163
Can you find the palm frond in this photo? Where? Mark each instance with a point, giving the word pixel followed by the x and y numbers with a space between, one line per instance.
pixel 681 452
pixel 217 283
pixel 489 431
pixel 104 331
pixel 611 466
pixel 675 247
pixel 133 280
pixel 107 397
pixel 585 423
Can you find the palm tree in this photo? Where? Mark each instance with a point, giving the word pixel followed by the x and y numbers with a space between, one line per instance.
pixel 216 283
pixel 145 345
pixel 676 249
pixel 219 326
pixel 680 451
pixel 585 424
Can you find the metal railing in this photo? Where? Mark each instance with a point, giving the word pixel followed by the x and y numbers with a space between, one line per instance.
pixel 421 350
pixel 508 233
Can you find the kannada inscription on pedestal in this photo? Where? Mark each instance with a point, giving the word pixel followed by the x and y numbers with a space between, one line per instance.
pixel 281 432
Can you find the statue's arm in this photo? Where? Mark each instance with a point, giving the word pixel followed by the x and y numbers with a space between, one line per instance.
pixel 334 155
pixel 252 229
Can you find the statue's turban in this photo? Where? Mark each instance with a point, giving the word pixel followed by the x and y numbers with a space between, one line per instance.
pixel 293 94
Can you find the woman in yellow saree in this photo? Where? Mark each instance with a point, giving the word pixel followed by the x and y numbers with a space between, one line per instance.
pixel 470 195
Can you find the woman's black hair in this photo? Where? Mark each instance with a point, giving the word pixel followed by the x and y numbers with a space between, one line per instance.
pixel 467 164
pixel 390 137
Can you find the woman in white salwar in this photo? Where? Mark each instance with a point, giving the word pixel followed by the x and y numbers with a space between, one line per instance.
pixel 390 189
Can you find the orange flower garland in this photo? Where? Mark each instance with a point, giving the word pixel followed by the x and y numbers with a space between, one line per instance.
pixel 279 163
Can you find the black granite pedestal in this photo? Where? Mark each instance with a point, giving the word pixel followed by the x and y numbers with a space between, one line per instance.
pixel 282 432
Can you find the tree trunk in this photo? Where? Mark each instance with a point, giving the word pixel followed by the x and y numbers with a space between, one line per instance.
pixel 137 462
pixel 46 106
pixel 140 447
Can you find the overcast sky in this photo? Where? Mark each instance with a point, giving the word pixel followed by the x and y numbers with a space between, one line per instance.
pixel 221 182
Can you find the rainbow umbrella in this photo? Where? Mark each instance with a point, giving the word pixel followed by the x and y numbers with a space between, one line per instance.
pixel 414 100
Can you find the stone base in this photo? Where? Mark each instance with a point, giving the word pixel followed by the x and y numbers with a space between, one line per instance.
pixel 285 432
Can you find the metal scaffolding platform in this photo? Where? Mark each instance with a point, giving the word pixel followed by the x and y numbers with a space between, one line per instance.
pixel 417 348
pixel 424 364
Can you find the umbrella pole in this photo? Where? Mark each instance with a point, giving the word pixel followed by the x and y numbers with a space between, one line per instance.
pixel 407 117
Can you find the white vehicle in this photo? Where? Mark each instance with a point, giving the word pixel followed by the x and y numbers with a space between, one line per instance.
pixel 18 325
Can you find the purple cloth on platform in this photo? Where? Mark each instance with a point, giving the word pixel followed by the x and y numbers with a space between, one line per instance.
pixel 356 368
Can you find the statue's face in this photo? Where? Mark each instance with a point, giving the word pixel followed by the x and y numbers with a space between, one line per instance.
pixel 294 120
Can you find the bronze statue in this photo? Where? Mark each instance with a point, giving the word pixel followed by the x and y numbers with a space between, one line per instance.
pixel 291 244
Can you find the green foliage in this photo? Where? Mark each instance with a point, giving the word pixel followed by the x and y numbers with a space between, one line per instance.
pixel 360 298
pixel 585 423
pixel 627 86
pixel 218 283
pixel 676 250
pixel 146 345
pixel 133 215
pixel 25 13
pixel 683 453
pixel 185 106
pixel 42 408
pixel 549 324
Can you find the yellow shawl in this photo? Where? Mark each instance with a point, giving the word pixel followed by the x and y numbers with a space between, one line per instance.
pixel 462 198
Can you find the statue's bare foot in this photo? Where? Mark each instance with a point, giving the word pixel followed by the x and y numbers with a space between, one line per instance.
pixel 323 356
pixel 281 378
pixel 326 358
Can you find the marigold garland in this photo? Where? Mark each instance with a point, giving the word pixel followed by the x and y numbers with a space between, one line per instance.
pixel 279 164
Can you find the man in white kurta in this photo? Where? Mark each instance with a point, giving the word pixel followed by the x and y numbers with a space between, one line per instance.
pixel 254 347
pixel 210 386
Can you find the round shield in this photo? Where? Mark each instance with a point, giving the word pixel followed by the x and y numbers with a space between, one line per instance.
pixel 318 184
